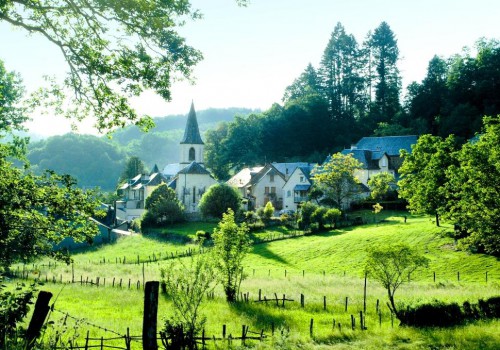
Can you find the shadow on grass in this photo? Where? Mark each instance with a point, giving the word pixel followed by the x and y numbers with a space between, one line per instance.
pixel 261 316
pixel 263 250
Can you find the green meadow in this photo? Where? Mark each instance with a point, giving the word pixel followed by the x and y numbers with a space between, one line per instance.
pixel 325 268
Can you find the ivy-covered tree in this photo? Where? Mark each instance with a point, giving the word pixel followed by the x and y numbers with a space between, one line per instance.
pixel 162 206
pixel 218 199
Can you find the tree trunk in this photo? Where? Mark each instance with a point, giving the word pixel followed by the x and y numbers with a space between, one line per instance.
pixel 437 220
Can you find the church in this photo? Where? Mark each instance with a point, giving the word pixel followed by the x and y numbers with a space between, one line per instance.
pixel 189 178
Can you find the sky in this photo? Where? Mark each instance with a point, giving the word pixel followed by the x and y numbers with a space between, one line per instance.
pixel 251 54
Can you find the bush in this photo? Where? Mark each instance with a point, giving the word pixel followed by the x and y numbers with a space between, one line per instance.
pixel 135 225
pixel 439 314
pixel 436 314
pixel 218 199
pixel 203 235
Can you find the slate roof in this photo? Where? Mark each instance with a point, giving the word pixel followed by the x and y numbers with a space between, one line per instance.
pixel 368 158
pixel 143 180
pixel 288 168
pixel 192 133
pixel 194 168
pixel 388 144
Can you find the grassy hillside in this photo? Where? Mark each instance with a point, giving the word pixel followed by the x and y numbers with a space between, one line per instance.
pixel 324 267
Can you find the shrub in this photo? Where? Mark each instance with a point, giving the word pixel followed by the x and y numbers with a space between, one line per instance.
pixel 218 199
pixel 202 235
pixel 436 314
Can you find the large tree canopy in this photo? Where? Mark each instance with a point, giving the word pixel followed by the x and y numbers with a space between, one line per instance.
pixel 114 50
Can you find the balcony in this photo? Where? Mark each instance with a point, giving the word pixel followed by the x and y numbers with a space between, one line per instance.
pixel 300 199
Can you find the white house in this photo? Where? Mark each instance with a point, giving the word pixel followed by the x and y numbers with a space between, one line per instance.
pixel 260 185
pixel 296 189
pixel 135 192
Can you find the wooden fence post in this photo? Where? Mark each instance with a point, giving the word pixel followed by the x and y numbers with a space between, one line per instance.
pixel 311 328
pixel 39 314
pixel 150 316
pixel 364 294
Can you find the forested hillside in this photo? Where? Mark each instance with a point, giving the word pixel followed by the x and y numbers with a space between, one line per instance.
pixel 356 91
pixel 99 161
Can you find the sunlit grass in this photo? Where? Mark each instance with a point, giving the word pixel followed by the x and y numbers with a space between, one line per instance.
pixel 328 264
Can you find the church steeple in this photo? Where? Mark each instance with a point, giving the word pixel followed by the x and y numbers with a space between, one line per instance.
pixel 191 144
pixel 192 133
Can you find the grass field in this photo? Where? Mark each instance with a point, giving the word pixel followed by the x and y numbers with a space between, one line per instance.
pixel 327 266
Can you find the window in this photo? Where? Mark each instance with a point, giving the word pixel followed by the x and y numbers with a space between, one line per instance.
pixel 289 193
pixel 194 194
pixel 266 190
pixel 192 154
pixel 273 189
pixel 271 177
pixel 302 179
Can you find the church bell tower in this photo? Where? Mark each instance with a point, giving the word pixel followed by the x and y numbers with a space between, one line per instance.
pixel 192 145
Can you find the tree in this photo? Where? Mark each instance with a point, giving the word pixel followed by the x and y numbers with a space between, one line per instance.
pixel 306 84
pixel 331 216
pixel 423 174
pixel 473 190
pixel 336 179
pixel 134 166
pixel 11 92
pixel 391 266
pixel 380 184
pixel 231 244
pixel 384 51
pixel 185 284
pixel 38 212
pixel 268 212
pixel 114 50
pixel 218 199
pixel 162 206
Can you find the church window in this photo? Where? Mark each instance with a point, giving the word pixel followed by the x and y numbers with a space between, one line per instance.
pixel 191 154
pixel 194 194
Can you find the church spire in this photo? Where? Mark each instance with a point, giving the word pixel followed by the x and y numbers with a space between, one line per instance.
pixel 192 133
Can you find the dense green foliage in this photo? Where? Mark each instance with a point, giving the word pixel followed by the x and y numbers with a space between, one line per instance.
pixel 218 199
pixel 162 206
pixel 381 184
pixel 231 244
pixel 423 176
pixel 355 92
pixel 36 211
pixel 336 180
pixel 460 184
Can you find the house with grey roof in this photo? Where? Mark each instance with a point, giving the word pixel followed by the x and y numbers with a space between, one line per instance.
pixel 380 154
pixel 262 184
pixel 134 193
